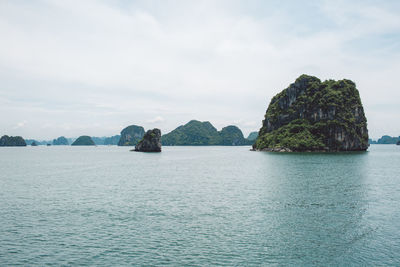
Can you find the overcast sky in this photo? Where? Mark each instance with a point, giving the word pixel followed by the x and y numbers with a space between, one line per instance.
pixel 93 67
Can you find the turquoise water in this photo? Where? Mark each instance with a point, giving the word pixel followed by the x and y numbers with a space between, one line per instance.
pixel 200 206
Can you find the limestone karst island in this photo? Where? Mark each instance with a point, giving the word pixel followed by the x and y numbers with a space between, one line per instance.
pixel 311 115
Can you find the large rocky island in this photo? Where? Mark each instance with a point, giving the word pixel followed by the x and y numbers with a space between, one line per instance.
pixel 6 140
pixel 151 142
pixel 311 115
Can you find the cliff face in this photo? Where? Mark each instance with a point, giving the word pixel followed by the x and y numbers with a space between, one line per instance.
pixel 6 140
pixel 151 142
pixel 131 135
pixel 311 115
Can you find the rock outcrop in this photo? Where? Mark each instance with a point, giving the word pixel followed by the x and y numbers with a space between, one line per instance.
pixel 311 115
pixel 131 135
pixel 151 142
pixel 83 140
pixel 60 141
pixel 6 140
pixel 34 144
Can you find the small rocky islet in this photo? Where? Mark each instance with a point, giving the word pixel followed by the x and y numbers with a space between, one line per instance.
pixel 311 115
pixel 151 142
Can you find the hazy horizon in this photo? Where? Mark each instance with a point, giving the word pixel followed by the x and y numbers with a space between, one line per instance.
pixel 94 67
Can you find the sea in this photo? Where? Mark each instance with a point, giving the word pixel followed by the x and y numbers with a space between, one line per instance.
pixel 198 206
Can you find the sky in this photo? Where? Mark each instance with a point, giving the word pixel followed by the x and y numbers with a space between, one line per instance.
pixel 71 68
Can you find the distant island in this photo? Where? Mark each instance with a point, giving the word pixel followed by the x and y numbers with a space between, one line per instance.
pixel 252 136
pixel 60 141
pixel 311 115
pixel 131 135
pixel 196 133
pixel 6 140
pixel 384 140
pixel 83 140
pixel 113 140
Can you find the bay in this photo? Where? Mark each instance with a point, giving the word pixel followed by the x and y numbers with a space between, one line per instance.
pixel 200 206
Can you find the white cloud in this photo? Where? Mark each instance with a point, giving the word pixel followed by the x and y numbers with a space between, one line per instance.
pixel 93 66
pixel 156 120
pixel 20 125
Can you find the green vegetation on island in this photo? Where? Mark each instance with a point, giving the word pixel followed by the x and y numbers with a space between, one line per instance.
pixel 197 133
pixel 6 140
pixel 83 140
pixel 311 115
pixel 193 133
pixel 232 136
